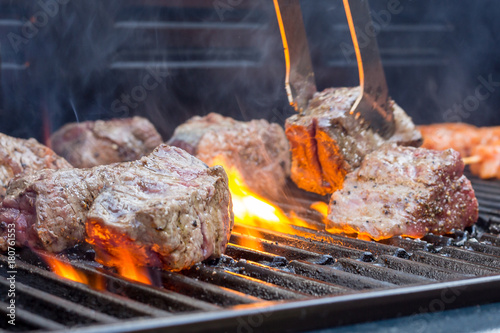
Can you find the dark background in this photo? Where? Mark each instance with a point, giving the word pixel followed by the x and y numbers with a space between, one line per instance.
pixel 69 60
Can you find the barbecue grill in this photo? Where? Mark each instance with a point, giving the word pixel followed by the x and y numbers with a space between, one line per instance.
pixel 292 282
pixel 297 282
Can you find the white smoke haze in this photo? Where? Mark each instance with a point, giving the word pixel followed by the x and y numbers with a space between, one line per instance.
pixel 94 59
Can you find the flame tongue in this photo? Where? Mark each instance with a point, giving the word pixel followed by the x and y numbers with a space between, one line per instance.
pixel 119 251
pixel 63 269
pixel 251 209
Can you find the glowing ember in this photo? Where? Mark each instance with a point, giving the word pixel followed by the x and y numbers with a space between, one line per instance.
pixel 115 250
pixel 63 269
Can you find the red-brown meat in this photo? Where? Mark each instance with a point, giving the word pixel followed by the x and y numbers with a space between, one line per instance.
pixel 404 191
pixel 101 142
pixel 258 150
pixel 327 142
pixel 170 208
pixel 19 156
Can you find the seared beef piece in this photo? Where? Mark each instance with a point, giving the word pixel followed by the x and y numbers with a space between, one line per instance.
pixel 169 208
pixel 257 149
pixel 327 142
pixel 101 142
pixel 19 156
pixel 404 191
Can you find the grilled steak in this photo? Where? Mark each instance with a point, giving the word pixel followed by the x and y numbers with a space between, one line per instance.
pixel 327 142
pixel 100 142
pixel 404 191
pixel 169 208
pixel 19 156
pixel 257 149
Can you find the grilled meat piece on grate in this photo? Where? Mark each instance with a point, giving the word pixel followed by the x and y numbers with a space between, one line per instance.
pixel 258 150
pixel 404 191
pixel 19 156
pixel 168 208
pixel 459 136
pixel 327 142
pixel 101 142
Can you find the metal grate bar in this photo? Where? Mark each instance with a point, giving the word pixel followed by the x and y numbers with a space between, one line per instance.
pixel 289 280
pixel 240 252
pixel 430 271
pixel 52 307
pixel 242 283
pixel 27 321
pixel 313 247
pixel 155 297
pixel 449 262
pixel 205 291
pixel 289 252
pixel 80 294
pixel 336 276
pixel 381 273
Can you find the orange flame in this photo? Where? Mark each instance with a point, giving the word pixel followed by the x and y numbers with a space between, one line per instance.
pixel 118 251
pixel 251 209
pixel 63 269
pixel 321 207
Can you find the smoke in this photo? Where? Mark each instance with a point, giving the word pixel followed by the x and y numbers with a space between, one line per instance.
pixel 86 60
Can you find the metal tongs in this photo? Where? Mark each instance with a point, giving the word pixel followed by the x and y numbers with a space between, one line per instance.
pixel 373 103
pixel 372 106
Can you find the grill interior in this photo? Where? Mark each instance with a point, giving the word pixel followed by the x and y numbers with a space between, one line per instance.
pixel 295 282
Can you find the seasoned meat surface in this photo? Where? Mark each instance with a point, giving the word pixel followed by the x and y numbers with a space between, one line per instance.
pixel 101 142
pixel 168 207
pixel 327 141
pixel 404 191
pixel 258 150
pixel 19 156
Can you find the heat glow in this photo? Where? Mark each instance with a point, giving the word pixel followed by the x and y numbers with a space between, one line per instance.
pixel 253 210
pixel 63 269
pixel 118 251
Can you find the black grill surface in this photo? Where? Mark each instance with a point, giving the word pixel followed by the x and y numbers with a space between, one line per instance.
pixel 292 283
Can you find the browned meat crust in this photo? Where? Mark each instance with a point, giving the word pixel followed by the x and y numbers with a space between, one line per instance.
pixel 257 149
pixel 327 142
pixel 19 156
pixel 404 191
pixel 173 210
pixel 100 142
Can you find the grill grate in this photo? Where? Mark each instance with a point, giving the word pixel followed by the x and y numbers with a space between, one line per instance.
pixel 294 282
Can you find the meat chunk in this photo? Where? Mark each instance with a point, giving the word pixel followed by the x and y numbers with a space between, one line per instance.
pixel 19 156
pixel 404 191
pixel 100 142
pixel 169 208
pixel 257 149
pixel 459 136
pixel 480 146
pixel 327 142
pixel 488 164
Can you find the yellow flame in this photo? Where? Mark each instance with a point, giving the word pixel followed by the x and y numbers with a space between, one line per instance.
pixel 251 209
pixel 116 250
pixel 321 207
pixel 63 269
